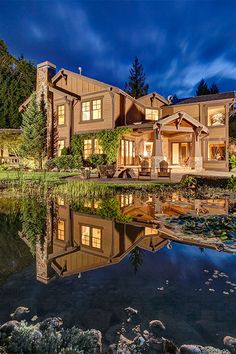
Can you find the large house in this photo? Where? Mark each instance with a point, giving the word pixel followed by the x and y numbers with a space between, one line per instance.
pixel 193 132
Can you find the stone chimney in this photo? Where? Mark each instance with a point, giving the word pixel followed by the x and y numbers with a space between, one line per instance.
pixel 45 72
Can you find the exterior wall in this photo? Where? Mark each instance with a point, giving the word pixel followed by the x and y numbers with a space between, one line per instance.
pixel 146 101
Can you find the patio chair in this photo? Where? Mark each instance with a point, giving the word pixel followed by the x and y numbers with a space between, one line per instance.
pixel 144 170
pixel 164 170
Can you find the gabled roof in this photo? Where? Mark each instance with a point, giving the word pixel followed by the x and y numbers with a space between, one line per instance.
pixel 205 98
pixel 157 95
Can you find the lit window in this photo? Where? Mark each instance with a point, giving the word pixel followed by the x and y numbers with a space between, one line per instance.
pixel 216 150
pixel 61 145
pixel 60 201
pixel 126 199
pixel 86 111
pixel 152 114
pixel 61 230
pixel 88 148
pixel 150 231
pixel 96 237
pixel 61 114
pixel 216 116
pixel 97 111
pixel 97 147
pixel 85 235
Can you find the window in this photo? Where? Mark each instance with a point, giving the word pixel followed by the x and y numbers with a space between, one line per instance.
pixel 150 231
pixel 91 236
pixel 60 201
pixel 91 110
pixel 216 150
pixel 91 146
pixel 61 114
pixel 86 114
pixel 126 200
pixel 216 116
pixel 151 114
pixel 61 230
pixel 148 146
pixel 61 145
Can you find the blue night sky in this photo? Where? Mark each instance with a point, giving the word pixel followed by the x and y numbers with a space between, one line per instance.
pixel 178 42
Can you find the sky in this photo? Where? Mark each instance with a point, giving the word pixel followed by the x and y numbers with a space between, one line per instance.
pixel 178 42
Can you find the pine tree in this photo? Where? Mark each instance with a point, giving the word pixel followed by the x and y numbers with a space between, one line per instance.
pixel 34 132
pixel 136 86
pixel 202 88
pixel 214 88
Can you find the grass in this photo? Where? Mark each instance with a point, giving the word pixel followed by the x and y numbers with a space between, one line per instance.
pixel 34 176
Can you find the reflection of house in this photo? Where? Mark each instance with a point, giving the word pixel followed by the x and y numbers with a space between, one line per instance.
pixel 191 132
pixel 8 145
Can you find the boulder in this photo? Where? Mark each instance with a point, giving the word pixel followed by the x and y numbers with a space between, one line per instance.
pixel 156 344
pixel 230 343
pixel 155 325
pixel 212 350
pixel 170 347
pixel 130 311
pixel 7 328
pixel 54 322
pixel 20 313
pixel 192 349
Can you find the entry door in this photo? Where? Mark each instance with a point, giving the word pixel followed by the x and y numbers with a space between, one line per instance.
pixel 127 152
pixel 175 153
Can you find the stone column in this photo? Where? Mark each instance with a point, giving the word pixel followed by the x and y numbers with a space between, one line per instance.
pixel 158 150
pixel 198 160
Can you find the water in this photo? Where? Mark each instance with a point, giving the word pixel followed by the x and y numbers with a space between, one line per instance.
pixel 94 258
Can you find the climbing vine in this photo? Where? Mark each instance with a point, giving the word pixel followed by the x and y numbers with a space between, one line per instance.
pixel 109 140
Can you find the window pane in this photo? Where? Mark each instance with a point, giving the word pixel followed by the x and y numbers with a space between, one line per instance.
pixel 97 147
pixel 216 116
pixel 61 145
pixel 97 109
pixel 216 151
pixel 61 230
pixel 86 111
pixel 85 235
pixel 96 237
pixel 61 114
pixel 88 148
pixel 152 114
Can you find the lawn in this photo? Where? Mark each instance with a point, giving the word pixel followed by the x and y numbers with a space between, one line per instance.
pixel 34 176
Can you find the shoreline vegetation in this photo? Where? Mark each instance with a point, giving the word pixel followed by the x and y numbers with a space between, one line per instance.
pixel 26 333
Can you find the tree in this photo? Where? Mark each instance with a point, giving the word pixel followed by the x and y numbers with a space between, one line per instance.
pixel 34 136
pixel 136 86
pixel 214 88
pixel 17 82
pixel 202 88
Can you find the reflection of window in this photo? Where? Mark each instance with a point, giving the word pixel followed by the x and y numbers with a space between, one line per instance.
pixel 216 116
pixel 61 230
pixel 150 231
pixel 61 114
pixel 126 199
pixel 91 146
pixel 92 110
pixel 216 151
pixel 60 201
pixel 91 236
pixel 61 145
pixel 148 149
pixel 151 114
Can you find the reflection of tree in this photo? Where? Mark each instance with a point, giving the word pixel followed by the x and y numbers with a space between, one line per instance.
pixel 33 218
pixel 136 258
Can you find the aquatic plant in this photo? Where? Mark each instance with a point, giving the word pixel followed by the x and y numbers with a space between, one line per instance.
pixel 72 190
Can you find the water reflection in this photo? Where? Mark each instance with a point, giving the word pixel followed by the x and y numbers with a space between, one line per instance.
pixel 97 233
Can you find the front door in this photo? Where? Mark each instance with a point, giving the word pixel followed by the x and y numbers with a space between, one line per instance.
pixel 127 152
pixel 180 153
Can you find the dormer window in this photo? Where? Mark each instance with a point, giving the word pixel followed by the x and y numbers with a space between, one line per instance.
pixel 151 114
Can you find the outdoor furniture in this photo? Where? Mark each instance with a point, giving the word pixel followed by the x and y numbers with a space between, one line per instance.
pixel 106 171
pixel 164 170
pixel 144 170
pixel 186 161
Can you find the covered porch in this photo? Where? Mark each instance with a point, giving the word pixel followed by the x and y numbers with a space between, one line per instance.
pixel 176 139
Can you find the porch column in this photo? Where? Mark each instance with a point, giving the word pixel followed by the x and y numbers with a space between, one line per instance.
pixel 198 160
pixel 158 150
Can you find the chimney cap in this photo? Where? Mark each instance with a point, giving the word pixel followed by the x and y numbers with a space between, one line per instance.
pixel 46 63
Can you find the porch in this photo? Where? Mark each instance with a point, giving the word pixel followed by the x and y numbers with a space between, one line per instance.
pixel 176 139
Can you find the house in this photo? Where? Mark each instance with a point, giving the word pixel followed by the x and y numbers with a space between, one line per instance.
pixel 9 146
pixel 193 133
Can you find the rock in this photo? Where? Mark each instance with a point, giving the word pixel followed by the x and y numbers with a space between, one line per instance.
pixel 130 311
pixel 156 344
pixel 7 328
pixel 212 350
pixel 192 349
pixel 156 324
pixel 55 322
pixel 170 347
pixel 34 318
pixel 20 313
pixel 230 343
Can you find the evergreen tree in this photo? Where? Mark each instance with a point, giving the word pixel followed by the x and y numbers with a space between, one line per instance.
pixel 136 86
pixel 214 88
pixel 202 88
pixel 34 136
pixel 17 82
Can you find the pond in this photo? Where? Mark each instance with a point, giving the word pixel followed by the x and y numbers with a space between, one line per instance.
pixel 169 256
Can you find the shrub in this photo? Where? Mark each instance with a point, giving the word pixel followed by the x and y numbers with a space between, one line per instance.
pixel 97 160
pixel 64 151
pixel 65 162
pixel 232 183
pixel 189 182
pixel 232 161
